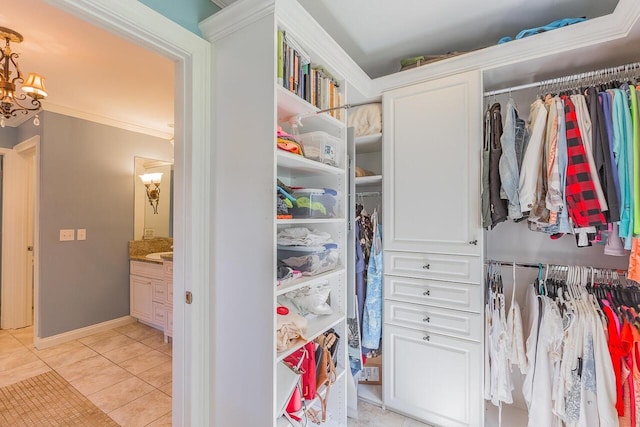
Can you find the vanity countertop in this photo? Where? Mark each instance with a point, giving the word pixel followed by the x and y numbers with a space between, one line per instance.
pixel 143 258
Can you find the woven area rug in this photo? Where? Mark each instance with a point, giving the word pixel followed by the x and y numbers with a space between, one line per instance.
pixel 48 400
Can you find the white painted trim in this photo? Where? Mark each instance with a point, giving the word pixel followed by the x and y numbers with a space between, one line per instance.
pixel 192 343
pixel 235 17
pixel 76 334
pixel 71 112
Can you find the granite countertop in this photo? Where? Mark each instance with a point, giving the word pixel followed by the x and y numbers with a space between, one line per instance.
pixel 139 249
pixel 143 258
pixel 167 257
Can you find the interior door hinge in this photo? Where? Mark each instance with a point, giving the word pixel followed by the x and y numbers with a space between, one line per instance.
pixel 188 297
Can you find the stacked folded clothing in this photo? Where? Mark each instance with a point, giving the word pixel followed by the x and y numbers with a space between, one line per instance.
pixel 309 251
pixel 288 143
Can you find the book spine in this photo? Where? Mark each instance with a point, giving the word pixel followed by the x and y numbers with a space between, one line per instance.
pixel 280 71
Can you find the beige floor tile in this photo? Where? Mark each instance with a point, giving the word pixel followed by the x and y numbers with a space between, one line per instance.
pixel 84 367
pixel 164 421
pixel 111 343
pixel 69 357
pixel 143 410
pixel 166 349
pixel 12 376
pixel 117 395
pixel 99 337
pixel 100 380
pixel 409 422
pixel 24 335
pixel 17 358
pixel 127 352
pixel 158 376
pixel 373 416
pixel 145 362
pixel 8 344
pixel 154 341
pixel 138 331
pixel 59 349
pixel 167 389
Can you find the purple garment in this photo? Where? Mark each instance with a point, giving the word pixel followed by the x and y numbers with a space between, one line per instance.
pixel 605 99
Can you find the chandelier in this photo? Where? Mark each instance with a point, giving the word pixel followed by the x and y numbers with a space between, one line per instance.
pixel 12 103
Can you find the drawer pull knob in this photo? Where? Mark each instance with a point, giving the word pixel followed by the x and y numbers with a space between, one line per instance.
pixel 427 319
pixel 427 338
pixel 426 293
pixel 426 266
pixel 473 242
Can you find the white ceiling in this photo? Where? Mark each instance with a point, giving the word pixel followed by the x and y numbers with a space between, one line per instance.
pixel 91 73
pixel 378 34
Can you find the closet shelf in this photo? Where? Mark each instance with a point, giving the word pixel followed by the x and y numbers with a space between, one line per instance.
pixel 315 327
pixel 369 180
pixel 369 143
pixel 291 105
pixel 308 280
pixel 303 221
pixel 302 166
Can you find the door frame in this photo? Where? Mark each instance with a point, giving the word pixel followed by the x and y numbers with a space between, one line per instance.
pixel 193 195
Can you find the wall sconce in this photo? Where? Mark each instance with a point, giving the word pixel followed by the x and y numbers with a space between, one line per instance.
pixel 153 195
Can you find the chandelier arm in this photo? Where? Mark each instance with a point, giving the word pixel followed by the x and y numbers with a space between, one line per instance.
pixel 21 108
pixel 14 60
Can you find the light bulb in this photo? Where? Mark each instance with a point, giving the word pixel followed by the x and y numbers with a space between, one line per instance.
pixel 2 123
pixel 36 120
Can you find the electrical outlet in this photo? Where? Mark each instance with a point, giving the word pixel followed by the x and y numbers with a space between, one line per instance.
pixel 82 234
pixel 67 235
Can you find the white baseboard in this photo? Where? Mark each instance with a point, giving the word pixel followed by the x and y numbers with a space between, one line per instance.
pixel 42 343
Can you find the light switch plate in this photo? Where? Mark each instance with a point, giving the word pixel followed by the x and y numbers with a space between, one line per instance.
pixel 67 235
pixel 82 234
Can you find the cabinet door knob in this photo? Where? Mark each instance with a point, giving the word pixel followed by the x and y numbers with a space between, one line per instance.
pixel 426 338
pixel 426 266
pixel 427 319
pixel 426 293
pixel 473 242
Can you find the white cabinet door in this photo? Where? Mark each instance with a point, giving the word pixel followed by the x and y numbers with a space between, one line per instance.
pixel 432 152
pixel 141 289
pixel 433 377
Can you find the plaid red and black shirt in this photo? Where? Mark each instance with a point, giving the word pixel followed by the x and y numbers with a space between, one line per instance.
pixel 582 200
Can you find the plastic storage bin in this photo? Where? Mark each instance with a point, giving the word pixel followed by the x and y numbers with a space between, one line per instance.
pixel 310 260
pixel 321 147
pixel 315 203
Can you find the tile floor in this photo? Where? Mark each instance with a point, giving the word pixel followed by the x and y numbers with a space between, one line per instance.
pixel 126 372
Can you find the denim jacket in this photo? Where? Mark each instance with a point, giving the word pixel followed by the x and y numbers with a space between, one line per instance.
pixel 509 170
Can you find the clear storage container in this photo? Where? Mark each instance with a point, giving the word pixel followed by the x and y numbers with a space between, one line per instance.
pixel 321 147
pixel 310 260
pixel 315 203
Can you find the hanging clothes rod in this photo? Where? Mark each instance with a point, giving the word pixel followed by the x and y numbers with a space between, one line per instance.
pixel 543 265
pixel 590 77
pixel 369 194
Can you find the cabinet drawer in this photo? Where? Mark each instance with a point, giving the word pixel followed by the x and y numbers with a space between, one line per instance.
pixel 169 296
pixel 462 296
pixel 167 267
pixel 433 378
pixel 159 313
pixel 146 269
pixel 159 291
pixel 433 319
pixel 457 268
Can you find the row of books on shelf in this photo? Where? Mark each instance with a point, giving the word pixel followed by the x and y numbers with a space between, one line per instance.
pixel 310 82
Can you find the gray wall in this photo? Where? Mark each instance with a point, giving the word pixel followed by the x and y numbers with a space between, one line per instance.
pixel 87 182
pixel 8 137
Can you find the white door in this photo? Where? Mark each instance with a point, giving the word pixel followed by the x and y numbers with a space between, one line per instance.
pixel 432 158
pixel 433 377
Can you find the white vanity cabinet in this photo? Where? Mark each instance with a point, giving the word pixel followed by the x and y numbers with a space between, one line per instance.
pixel 151 293
pixel 433 333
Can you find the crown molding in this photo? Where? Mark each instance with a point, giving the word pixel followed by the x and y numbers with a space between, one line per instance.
pixel 234 17
pixel 72 112
pixel 222 3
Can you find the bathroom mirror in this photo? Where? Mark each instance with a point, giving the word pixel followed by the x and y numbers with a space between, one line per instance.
pixel 153 221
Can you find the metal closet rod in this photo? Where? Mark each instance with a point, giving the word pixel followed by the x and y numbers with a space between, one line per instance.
pixel 544 265
pixel 369 194
pixel 589 76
